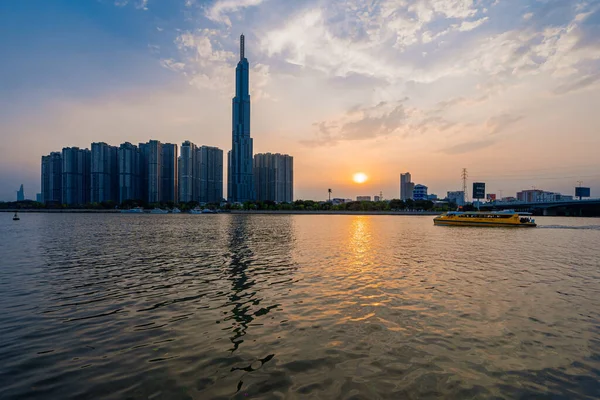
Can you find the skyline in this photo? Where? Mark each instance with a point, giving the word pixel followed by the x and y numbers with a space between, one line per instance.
pixel 429 87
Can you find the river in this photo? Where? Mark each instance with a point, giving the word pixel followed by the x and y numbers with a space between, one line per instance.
pixel 116 306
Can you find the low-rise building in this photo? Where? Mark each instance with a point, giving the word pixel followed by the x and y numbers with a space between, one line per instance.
pixel 420 192
pixel 363 198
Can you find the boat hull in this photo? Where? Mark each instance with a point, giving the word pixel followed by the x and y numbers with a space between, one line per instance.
pixel 483 223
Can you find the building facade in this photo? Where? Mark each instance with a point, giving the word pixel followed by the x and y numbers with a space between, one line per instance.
pixel 104 173
pixel 52 178
pixel 274 177
pixel 129 161
pixel 169 176
pixel 186 168
pixel 240 181
pixel 209 170
pixel 420 192
pixel 456 197
pixel 363 198
pixel 406 186
pixel 151 170
pixel 76 176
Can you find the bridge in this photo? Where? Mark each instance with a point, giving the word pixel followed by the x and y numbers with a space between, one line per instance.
pixel 573 208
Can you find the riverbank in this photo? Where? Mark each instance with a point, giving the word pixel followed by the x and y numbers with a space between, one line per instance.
pixel 320 212
pixel 266 212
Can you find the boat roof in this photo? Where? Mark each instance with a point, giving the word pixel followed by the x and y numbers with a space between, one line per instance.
pixel 505 212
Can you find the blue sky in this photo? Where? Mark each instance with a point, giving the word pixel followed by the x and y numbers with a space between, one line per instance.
pixel 508 89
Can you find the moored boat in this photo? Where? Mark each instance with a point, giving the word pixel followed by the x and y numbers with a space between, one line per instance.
pixel 159 211
pixel 507 218
pixel 176 210
pixel 16 217
pixel 136 210
pixel 196 210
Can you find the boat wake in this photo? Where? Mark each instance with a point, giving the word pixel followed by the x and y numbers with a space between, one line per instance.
pixel 584 227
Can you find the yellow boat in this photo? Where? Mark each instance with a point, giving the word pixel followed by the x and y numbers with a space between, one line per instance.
pixel 508 218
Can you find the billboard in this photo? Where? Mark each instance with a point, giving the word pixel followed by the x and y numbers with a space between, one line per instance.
pixel 478 190
pixel 582 192
pixel 491 196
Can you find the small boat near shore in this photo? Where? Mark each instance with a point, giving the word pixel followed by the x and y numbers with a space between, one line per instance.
pixel 159 211
pixel 196 210
pixel 508 218
pixel 176 210
pixel 136 210
pixel 16 217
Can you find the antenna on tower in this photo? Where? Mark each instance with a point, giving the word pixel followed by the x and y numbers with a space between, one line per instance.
pixel 242 47
pixel 465 175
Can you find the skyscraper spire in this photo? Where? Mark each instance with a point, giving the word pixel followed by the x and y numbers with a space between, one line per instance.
pixel 242 47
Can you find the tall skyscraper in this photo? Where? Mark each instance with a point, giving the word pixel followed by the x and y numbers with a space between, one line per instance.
pixel 104 173
pixel 406 186
pixel 52 178
pixel 274 177
pixel 188 179
pixel 152 170
pixel 20 194
pixel 76 175
pixel 209 169
pixel 129 172
pixel 240 182
pixel 168 191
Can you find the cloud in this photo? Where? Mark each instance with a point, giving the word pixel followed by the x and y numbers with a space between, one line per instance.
pixel 219 10
pixel 500 122
pixel 578 84
pixel 468 147
pixel 142 5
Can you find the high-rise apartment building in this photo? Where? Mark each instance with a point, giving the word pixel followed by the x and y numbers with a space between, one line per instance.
pixel 130 163
pixel 104 173
pixel 159 171
pixel 186 168
pixel 168 190
pixel 240 182
pixel 52 178
pixel 76 170
pixel 20 194
pixel 406 186
pixel 152 170
pixel 274 177
pixel 209 170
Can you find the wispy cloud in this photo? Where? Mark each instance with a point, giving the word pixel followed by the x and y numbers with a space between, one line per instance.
pixel 219 10
pixel 468 147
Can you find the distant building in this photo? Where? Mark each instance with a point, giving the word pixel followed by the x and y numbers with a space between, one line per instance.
pixel 363 198
pixel 52 178
pixel 39 198
pixel 104 173
pixel 490 197
pixel 76 170
pixel 151 170
pixel 209 174
pixel 130 178
pixel 169 174
pixel 509 199
pixel 536 195
pixel 274 177
pixel 456 197
pixel 187 170
pixel 337 201
pixel 20 194
pixel 432 197
pixel 420 192
pixel 406 186
pixel 376 198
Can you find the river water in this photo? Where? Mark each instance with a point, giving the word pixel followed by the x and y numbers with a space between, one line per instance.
pixel 296 306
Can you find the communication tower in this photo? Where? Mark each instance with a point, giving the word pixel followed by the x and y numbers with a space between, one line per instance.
pixel 464 176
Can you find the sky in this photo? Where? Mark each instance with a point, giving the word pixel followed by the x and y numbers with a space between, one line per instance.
pixel 509 89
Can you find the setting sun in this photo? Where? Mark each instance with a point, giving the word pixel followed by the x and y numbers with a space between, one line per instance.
pixel 359 177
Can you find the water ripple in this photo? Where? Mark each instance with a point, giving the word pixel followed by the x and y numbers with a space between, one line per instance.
pixel 261 306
